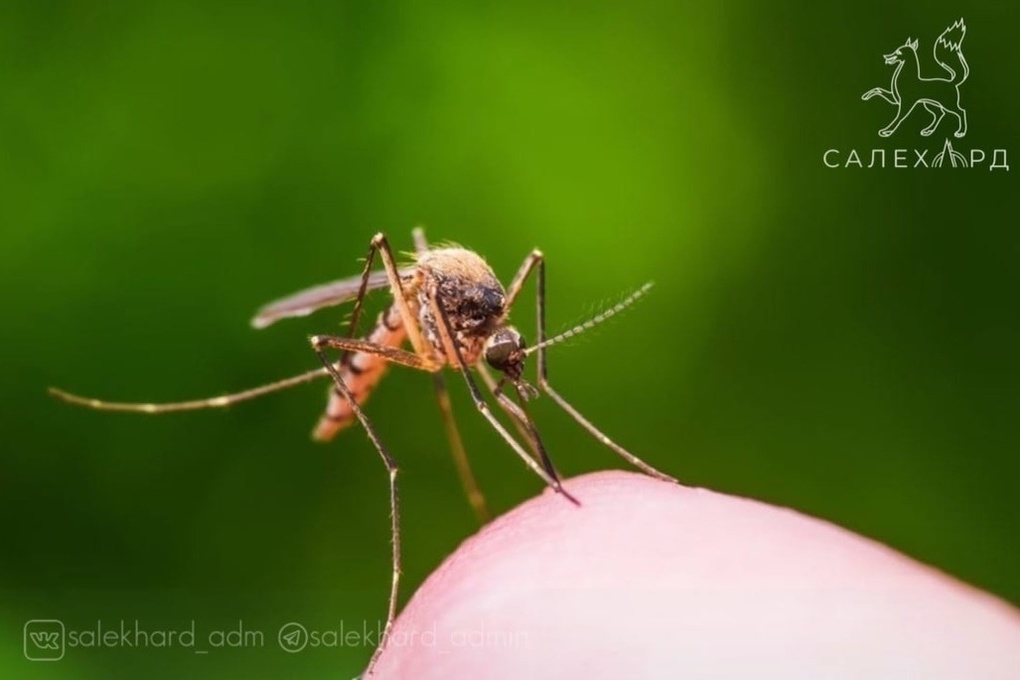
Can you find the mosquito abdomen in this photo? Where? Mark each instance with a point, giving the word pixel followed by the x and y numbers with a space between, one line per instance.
pixel 361 373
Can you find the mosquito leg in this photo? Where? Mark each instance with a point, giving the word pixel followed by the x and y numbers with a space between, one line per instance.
pixel 534 258
pixel 391 354
pixel 543 379
pixel 391 469
pixel 467 478
pixel 598 434
pixel 194 404
pixel 352 327
pixel 380 243
pixel 460 459
pixel 453 351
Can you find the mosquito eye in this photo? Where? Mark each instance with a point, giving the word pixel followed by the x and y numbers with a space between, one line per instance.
pixel 503 349
pixel 498 354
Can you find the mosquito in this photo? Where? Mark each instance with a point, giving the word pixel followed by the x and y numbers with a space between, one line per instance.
pixel 452 311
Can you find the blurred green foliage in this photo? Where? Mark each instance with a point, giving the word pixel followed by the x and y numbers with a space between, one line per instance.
pixel 842 341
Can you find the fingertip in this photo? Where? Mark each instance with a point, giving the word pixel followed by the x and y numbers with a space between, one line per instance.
pixel 649 579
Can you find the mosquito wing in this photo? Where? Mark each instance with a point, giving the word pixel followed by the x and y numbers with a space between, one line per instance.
pixel 307 301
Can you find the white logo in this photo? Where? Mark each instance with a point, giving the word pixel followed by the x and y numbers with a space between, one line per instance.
pixel 938 96
pixel 292 636
pixel 911 93
pixel 43 640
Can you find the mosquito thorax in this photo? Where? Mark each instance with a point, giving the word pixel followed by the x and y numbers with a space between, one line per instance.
pixel 504 351
pixel 467 288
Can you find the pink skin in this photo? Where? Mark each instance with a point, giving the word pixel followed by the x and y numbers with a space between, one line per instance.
pixel 652 580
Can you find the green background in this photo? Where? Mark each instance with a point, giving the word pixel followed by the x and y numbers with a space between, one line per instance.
pixel 842 341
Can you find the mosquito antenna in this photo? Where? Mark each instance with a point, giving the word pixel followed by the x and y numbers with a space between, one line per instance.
pixel 594 321
pixel 194 405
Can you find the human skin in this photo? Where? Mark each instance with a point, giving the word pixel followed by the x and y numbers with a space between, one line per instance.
pixel 648 579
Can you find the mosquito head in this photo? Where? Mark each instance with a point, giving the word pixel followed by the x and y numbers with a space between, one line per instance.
pixel 504 351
